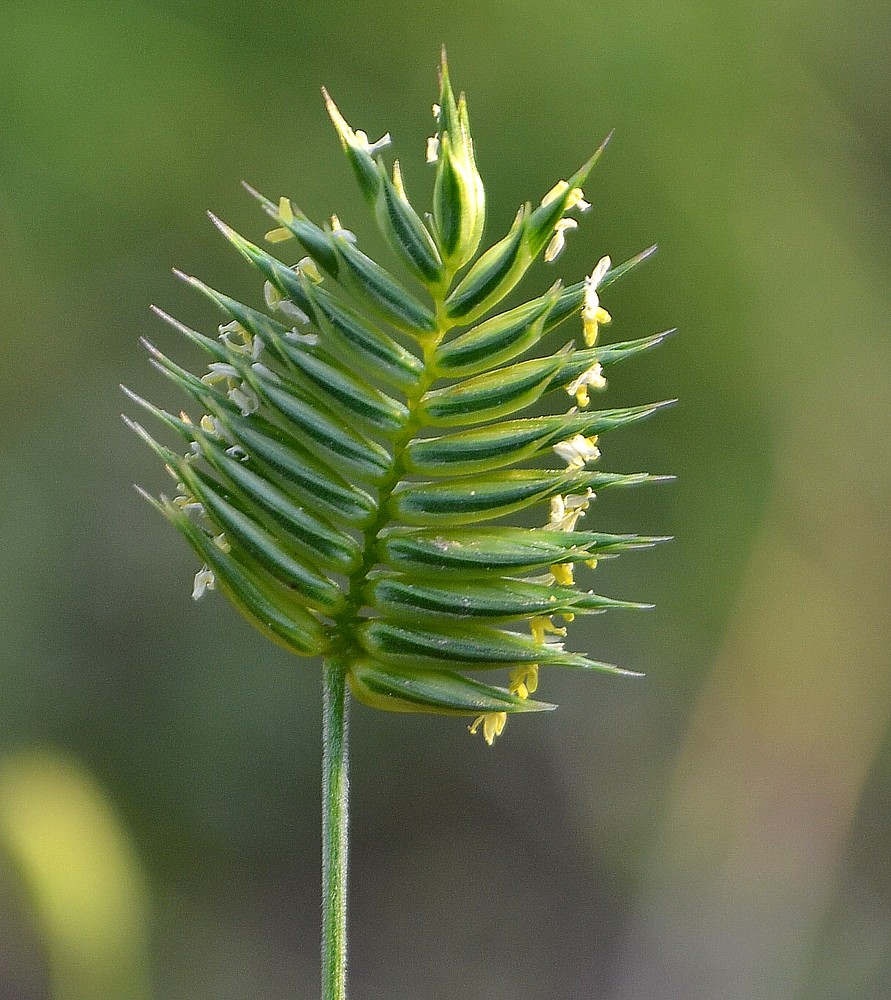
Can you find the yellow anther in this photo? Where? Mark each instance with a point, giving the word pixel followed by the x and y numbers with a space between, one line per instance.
pixel 523 680
pixel 562 573
pixel 493 724
pixel 286 214
pixel 542 625
pixel 593 378
pixel 398 182
pixel 537 628
pixel 593 314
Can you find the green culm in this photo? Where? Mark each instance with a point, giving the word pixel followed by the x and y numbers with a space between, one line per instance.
pixel 357 447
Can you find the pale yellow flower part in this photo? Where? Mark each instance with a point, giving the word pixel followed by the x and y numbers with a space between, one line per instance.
pixel 591 378
pixel 593 314
pixel 185 501
pixel 307 266
pixel 566 510
pixel 286 214
pixel 578 451
pixel 574 199
pixel 431 154
pixel 493 724
pixel 246 343
pixel 338 231
pixel 577 200
pixel 564 514
pixel 244 397
pixel 557 191
pixel 558 240
pixel 542 625
pixel 537 628
pixel 220 371
pixel 234 329
pixel 398 181
pixel 271 295
pixel 524 680
pixel 276 301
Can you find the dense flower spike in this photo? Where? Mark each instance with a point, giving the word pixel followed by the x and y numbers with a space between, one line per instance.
pixel 354 442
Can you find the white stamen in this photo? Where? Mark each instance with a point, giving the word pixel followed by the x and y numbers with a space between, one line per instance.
pixel 577 451
pixel 593 314
pixel 576 199
pixel 592 378
pixel 309 339
pixel 599 272
pixel 432 153
pixel 372 147
pixel 204 580
pixel 267 373
pixel 566 510
pixel 287 308
pixel 558 240
pixel 228 329
pixel 246 344
pixel 245 399
pixel 222 370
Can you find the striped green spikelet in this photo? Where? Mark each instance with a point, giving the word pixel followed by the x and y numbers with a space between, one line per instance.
pixel 358 443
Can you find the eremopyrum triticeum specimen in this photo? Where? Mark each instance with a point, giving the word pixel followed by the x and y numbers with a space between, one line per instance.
pixel 357 444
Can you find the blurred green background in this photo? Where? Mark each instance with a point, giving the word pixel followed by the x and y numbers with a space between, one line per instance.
pixel 716 831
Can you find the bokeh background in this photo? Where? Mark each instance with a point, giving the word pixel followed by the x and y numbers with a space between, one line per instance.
pixel 716 831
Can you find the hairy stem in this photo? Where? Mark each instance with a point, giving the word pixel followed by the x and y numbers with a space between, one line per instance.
pixel 335 787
